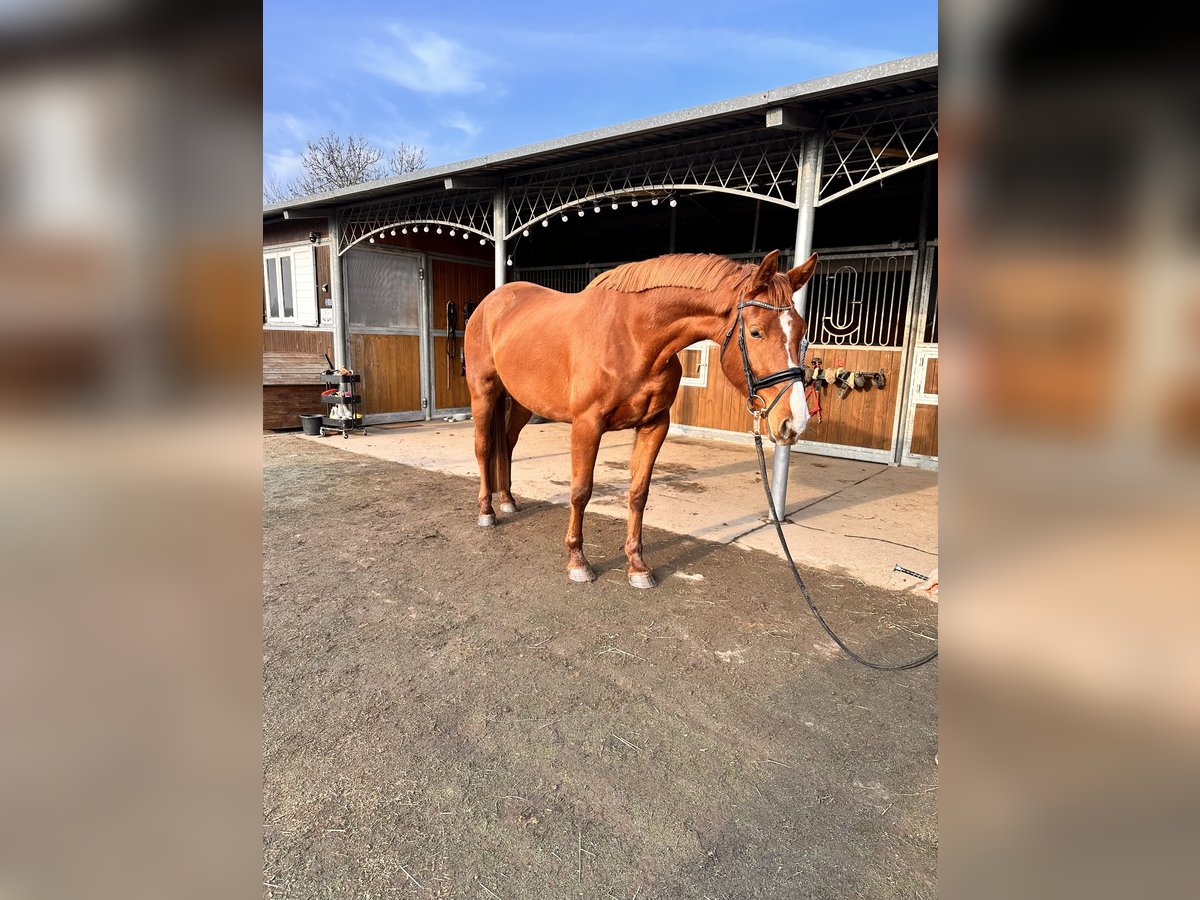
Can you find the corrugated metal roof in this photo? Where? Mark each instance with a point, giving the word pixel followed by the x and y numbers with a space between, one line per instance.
pixel 912 74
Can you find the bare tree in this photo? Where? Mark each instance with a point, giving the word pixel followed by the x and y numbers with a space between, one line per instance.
pixel 406 158
pixel 331 162
pixel 276 191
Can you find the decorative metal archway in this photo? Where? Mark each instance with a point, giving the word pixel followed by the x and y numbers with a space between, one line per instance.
pixel 468 212
pixel 859 146
pixel 744 162
pixel 869 143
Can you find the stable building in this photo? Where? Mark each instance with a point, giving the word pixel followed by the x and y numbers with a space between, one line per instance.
pixel 381 276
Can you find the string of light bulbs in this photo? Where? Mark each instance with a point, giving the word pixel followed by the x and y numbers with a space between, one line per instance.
pixel 419 228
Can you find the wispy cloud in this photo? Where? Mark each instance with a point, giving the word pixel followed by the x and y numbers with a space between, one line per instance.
pixel 425 62
pixel 288 125
pixel 463 123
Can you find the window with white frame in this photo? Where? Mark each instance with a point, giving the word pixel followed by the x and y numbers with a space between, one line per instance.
pixel 289 286
pixel 694 360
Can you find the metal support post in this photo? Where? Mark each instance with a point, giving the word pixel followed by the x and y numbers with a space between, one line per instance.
pixel 806 197
pixel 499 230
pixel 340 350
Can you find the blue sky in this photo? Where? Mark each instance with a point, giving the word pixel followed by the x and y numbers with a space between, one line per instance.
pixel 467 78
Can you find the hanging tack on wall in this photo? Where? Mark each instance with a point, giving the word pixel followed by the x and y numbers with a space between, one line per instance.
pixel 841 378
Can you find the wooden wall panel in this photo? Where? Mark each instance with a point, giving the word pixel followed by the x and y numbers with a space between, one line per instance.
pixel 862 419
pixel 931 375
pixel 449 386
pixel 309 340
pixel 291 231
pixel 719 405
pixel 324 286
pixel 925 430
pixel 283 404
pixel 390 365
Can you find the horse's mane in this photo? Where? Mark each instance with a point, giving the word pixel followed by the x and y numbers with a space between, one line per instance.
pixel 704 271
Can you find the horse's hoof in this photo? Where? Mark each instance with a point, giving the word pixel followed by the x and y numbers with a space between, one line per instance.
pixel 641 579
pixel 582 574
pixel 487 521
pixel 508 507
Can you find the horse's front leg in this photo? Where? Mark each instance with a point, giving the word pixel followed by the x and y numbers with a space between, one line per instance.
pixel 585 444
pixel 649 440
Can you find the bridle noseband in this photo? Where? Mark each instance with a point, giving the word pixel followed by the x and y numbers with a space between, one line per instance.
pixel 754 385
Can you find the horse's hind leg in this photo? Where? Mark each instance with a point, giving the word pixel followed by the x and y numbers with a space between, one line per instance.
pixel 641 465
pixel 487 395
pixel 518 418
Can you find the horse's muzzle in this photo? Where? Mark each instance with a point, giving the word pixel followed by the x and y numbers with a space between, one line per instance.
pixel 786 434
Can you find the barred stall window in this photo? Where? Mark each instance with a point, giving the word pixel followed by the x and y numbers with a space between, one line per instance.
pixel 860 300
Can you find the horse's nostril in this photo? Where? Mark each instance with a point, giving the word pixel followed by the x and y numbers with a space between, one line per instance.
pixel 785 428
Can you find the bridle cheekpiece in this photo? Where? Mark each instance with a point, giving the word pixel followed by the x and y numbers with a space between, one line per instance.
pixel 758 407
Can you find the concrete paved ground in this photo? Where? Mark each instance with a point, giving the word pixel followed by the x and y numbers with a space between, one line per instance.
pixel 844 516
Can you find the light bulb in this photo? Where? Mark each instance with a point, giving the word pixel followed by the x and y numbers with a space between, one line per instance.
pixel 427 229
pixel 545 223
pixel 595 209
pixel 393 232
pixel 634 204
pixel 404 231
pixel 482 241
pixel 372 240
pixel 614 206
pixel 581 212
pixel 654 202
pixel 465 235
pixel 525 232
pixel 673 201
pixel 439 229
pixel 510 260
pixel 451 232
pixel 382 235
pixel 565 217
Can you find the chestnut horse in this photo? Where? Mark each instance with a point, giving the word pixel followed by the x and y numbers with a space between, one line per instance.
pixel 605 360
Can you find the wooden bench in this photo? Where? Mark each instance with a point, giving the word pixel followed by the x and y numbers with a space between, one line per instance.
pixel 291 386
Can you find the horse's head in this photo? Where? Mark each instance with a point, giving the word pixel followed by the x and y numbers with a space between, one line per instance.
pixel 772 338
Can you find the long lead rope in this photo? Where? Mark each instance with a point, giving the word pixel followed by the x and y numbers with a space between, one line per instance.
pixel 777 522
pixel 759 413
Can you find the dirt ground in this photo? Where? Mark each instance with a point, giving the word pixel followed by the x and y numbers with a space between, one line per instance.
pixel 446 715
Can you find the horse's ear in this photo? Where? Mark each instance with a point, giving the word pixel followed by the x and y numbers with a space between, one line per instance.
pixel 766 271
pixel 799 276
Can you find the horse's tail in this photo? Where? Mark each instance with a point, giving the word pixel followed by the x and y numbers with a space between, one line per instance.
pixel 500 464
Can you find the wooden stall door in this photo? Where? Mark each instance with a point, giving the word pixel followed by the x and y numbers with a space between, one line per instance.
pixel 384 303
pixel 921 441
pixel 460 283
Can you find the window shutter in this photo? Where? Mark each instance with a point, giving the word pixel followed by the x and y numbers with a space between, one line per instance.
pixel 304 279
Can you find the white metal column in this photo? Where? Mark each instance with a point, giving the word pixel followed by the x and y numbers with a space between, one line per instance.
pixel 806 198
pixel 340 354
pixel 500 229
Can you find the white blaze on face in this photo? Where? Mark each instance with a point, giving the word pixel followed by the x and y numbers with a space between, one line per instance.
pixel 799 406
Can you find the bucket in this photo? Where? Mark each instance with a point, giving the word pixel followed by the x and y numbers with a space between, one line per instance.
pixel 311 423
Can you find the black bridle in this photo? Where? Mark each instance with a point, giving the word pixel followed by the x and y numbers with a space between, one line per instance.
pixel 758 407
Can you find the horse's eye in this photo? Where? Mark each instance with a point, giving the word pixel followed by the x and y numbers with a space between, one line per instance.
pixel 756 333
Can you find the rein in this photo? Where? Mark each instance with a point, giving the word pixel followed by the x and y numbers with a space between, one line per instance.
pixel 761 411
